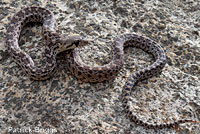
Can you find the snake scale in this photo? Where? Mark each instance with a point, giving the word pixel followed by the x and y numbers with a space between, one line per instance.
pixel 56 43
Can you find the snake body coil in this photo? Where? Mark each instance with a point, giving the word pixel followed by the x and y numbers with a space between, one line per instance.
pixel 57 43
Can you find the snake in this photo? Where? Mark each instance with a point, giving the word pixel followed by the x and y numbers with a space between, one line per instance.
pixel 57 43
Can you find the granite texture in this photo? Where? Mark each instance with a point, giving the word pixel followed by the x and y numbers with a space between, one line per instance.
pixel 63 104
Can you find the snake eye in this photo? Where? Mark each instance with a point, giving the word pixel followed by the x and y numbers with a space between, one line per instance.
pixel 76 42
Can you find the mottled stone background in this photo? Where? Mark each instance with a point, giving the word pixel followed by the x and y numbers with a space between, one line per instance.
pixel 66 105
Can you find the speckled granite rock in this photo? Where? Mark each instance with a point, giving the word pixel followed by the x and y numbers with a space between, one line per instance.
pixel 65 105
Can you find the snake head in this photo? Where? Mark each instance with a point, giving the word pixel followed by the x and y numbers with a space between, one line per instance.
pixel 69 43
pixel 79 41
pixel 75 41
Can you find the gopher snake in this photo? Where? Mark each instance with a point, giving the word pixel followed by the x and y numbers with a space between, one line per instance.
pixel 56 43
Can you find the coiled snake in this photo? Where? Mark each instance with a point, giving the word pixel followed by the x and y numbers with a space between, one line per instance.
pixel 56 43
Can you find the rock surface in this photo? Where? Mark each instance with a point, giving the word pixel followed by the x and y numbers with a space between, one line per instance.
pixel 63 104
